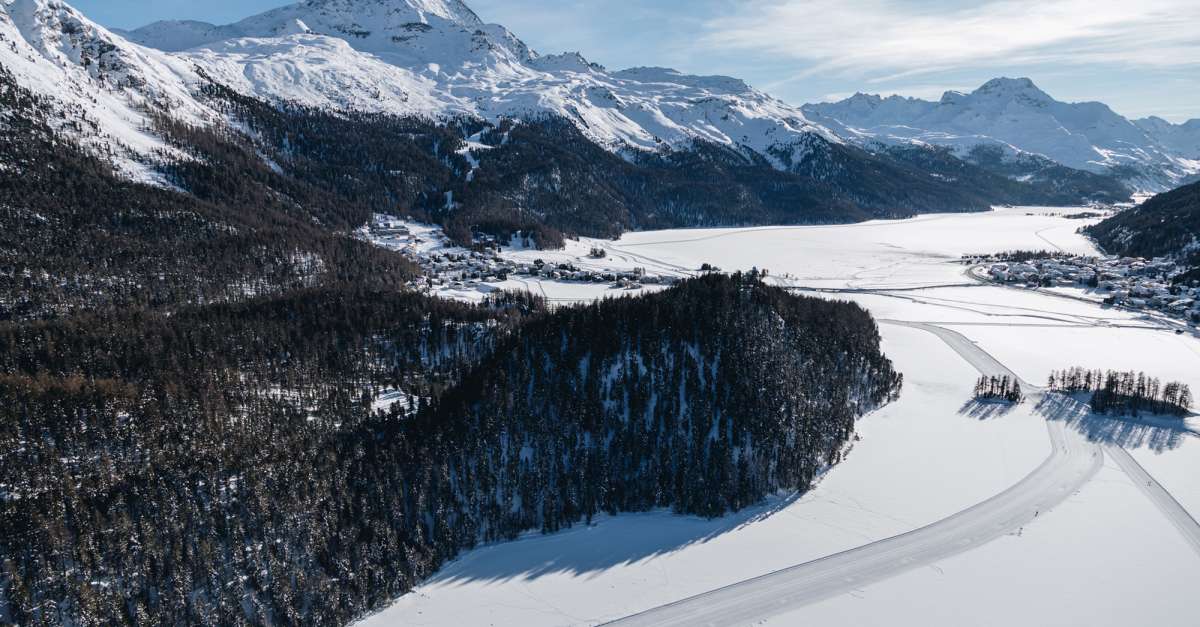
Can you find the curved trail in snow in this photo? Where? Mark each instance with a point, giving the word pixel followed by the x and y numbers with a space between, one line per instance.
pixel 1072 463
pixel 980 359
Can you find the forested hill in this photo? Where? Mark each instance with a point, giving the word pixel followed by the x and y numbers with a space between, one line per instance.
pixel 231 464
pixel 704 399
pixel 1165 225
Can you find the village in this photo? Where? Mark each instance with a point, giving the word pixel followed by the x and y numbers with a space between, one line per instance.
pixel 448 267
pixel 1129 282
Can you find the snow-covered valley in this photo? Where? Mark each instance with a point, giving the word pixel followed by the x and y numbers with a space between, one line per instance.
pixel 1106 551
pixel 366 312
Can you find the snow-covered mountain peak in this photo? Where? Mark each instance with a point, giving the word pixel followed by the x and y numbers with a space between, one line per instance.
pixel 407 28
pixel 1005 91
pixel 375 21
pixel 1004 85
pixel 436 58
pixel 567 61
pixel 412 10
pixel 1017 116
pixel 953 98
pixel 428 58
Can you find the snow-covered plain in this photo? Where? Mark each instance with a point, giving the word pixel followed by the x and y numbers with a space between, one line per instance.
pixel 1106 556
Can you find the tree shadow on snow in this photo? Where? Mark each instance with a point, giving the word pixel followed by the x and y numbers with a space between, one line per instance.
pixel 587 550
pixel 1155 432
pixel 985 410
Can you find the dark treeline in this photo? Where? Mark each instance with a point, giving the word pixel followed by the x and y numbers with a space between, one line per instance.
pixel 1115 392
pixel 998 388
pixel 1021 256
pixel 180 468
pixel 704 399
pixel 228 464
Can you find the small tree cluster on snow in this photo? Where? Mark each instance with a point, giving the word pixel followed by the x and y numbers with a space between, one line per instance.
pixel 1124 392
pixel 998 388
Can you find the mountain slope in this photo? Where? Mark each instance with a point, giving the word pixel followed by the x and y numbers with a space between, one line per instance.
pixel 1167 225
pixel 1019 118
pixel 1181 138
pixel 75 236
pixel 446 62
pixel 104 90
pixel 507 139
pixel 543 176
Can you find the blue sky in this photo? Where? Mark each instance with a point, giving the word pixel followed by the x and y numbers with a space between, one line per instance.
pixel 1141 57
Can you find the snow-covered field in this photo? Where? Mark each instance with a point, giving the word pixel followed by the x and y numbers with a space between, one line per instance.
pixel 1100 554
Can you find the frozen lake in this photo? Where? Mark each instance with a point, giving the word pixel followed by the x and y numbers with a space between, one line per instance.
pixel 1105 553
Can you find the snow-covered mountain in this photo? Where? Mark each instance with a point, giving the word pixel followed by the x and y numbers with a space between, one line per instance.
pixel 1021 118
pixel 433 58
pixel 437 61
pixel 1183 138
pixel 104 88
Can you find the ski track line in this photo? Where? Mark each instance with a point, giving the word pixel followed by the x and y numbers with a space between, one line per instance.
pixel 1047 240
pixel 1072 463
pixel 1183 521
pixel 980 359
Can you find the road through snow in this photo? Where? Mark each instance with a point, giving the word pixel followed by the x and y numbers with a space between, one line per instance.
pixel 1072 463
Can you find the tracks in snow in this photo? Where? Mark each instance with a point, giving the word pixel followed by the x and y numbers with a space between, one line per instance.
pixel 1072 463
pixel 1183 521
pixel 979 359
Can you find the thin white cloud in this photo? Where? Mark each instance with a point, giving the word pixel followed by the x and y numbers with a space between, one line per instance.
pixel 893 39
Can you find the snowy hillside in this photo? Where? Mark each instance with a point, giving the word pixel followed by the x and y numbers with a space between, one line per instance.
pixel 1021 118
pixel 436 58
pixel 103 88
pixel 598 152
pixel 1180 138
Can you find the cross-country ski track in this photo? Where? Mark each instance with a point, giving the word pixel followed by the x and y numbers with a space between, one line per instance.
pixel 1073 461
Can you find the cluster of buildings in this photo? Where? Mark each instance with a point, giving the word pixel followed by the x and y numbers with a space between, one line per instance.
pixel 447 266
pixel 1131 282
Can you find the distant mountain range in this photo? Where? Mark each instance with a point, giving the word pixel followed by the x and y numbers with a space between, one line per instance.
pixel 554 142
pixel 1022 121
